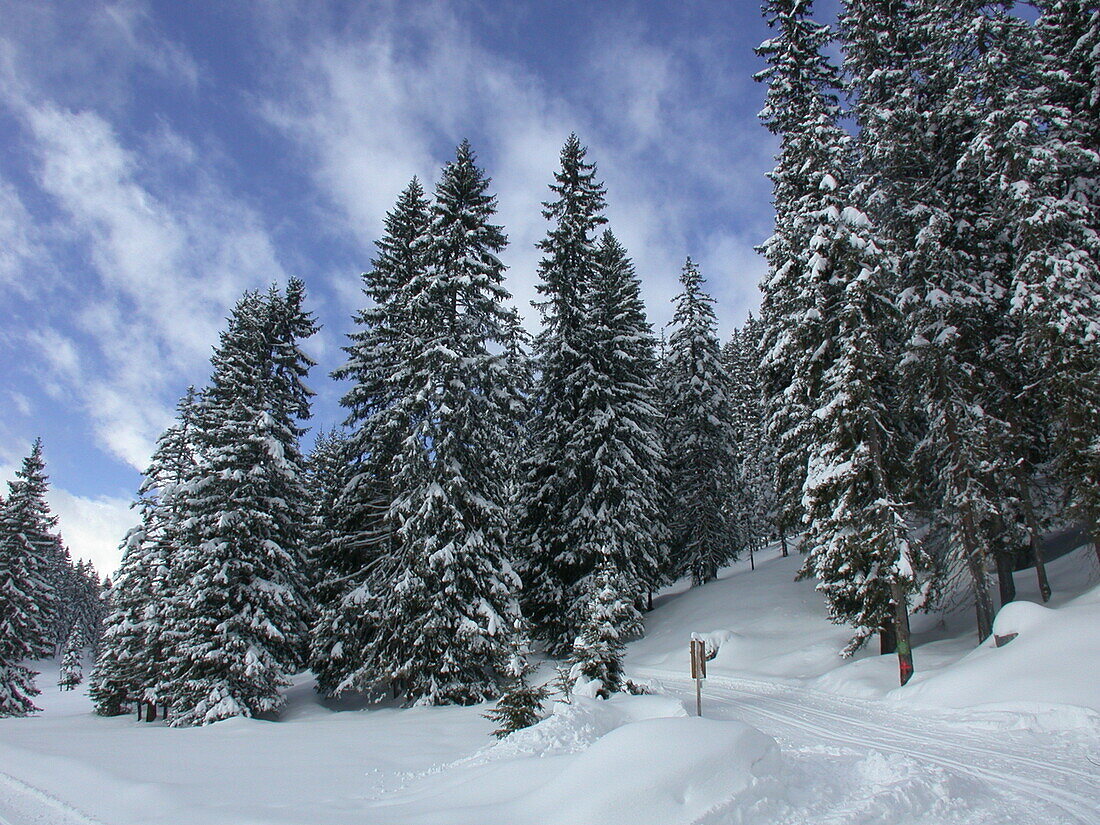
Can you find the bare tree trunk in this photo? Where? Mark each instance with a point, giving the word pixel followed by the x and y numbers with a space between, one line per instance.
pixel 1004 557
pixel 1034 541
pixel 975 563
pixel 901 632
pixel 783 542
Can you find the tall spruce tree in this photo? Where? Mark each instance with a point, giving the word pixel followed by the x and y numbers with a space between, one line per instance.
pixel 801 101
pixel 452 605
pixel 620 519
pixel 1040 143
pixel 130 662
pixel 358 562
pixel 236 617
pixel 553 528
pixel 701 467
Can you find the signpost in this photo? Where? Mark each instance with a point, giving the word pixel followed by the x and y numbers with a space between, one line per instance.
pixel 698 670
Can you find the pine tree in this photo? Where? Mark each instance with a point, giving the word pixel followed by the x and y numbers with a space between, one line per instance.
pixel 551 523
pixel 34 552
pixel 130 661
pixel 701 461
pixel 359 557
pixel 917 63
pixel 1049 170
pixel 236 621
pixel 754 490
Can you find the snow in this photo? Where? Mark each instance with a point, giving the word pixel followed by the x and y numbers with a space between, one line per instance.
pixel 792 733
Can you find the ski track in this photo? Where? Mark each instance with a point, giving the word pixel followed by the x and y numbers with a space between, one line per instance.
pixel 799 718
pixel 23 804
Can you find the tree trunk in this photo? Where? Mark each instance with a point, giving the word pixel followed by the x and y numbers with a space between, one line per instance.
pixel 649 600
pixel 1005 558
pixel 901 632
pixel 783 542
pixel 983 603
pixel 1033 536
pixel 887 638
pixel 752 561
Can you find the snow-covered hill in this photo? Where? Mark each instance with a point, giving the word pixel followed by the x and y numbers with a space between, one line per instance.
pixel 791 734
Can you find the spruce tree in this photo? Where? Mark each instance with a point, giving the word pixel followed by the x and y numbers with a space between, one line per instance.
pixel 701 467
pixel 32 551
pixel 801 102
pixel 597 654
pixel 357 561
pixel 456 593
pixel 552 526
pixel 236 619
pixel 134 649
pixel 622 461
pixel 71 673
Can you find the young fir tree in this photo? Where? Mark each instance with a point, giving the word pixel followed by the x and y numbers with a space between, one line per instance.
pixel 520 705
pixel 131 657
pixel 357 561
pixel 235 620
pixel 551 524
pixel 450 609
pixel 71 673
pixel 701 467
pixel 597 654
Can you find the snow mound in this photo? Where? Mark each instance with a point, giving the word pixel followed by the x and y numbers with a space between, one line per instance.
pixel 1047 667
pixel 575 726
pixel 662 771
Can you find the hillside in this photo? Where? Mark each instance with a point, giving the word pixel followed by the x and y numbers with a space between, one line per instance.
pixel 791 733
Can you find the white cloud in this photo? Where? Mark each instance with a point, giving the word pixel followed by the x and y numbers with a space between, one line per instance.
pixel 169 265
pixel 93 528
pixel 370 105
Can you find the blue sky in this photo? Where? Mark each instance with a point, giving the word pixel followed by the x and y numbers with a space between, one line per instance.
pixel 158 158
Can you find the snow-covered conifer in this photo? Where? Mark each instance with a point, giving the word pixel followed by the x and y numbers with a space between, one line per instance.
pixel 553 528
pixel 357 561
pixel 701 462
pixel 236 617
pixel 597 654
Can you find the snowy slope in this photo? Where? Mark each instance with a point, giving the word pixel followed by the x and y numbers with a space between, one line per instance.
pixel 792 734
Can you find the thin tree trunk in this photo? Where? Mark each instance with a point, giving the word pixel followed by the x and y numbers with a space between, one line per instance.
pixel 983 603
pixel 783 542
pixel 1034 540
pixel 901 631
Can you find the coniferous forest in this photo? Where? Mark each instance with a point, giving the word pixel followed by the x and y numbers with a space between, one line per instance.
pixel 916 403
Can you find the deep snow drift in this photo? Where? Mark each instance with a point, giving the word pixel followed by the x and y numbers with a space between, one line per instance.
pixel 986 735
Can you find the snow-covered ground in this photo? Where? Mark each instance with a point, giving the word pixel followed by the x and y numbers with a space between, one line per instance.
pixel 791 734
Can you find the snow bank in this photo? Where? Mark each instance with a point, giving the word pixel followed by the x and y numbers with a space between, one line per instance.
pixel 1050 665
pixel 661 771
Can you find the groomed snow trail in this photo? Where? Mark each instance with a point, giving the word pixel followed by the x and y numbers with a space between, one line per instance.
pixel 23 804
pixel 997 776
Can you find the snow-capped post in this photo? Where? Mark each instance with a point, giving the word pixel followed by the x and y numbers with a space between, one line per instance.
pixel 698 669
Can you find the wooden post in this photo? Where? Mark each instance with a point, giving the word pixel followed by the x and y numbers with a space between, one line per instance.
pixel 698 670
